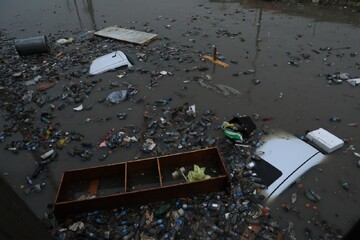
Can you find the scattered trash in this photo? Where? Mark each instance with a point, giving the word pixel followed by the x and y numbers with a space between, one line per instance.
pixel 103 144
pixel 335 119
pixel 345 185
pixel 121 75
pixel 312 195
pixel 337 77
pixel 115 139
pixel 77 226
pixel 109 62
pixel 47 154
pixel 239 129
pixel 191 111
pixel 293 63
pixel 117 97
pixel 121 116
pixel 126 35
pixel 33 45
pixel 293 198
pixel 149 145
pixel 35 188
pixel 179 172
pixel 79 108
pixel 64 41
pixel 33 81
pixel 354 81
pixel 325 140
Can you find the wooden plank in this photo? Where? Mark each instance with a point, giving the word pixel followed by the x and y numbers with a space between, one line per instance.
pixel 217 62
pixel 126 35
pixel 125 175
pixel 159 171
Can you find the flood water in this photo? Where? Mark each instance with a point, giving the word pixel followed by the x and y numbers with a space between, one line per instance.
pixel 251 35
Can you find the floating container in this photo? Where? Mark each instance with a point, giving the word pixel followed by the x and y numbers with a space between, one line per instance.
pixel 138 182
pixel 33 45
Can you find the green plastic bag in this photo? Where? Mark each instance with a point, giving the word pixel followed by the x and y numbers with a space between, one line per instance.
pixel 198 174
pixel 231 132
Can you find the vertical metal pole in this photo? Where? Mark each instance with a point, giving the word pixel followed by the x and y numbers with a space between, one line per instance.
pixel 215 53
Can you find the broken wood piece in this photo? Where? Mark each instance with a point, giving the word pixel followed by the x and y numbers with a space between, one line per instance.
pixel 217 62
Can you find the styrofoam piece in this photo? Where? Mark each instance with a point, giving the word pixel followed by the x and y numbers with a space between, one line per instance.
pixel 126 35
pixel 325 140
pixel 109 62
pixel 354 81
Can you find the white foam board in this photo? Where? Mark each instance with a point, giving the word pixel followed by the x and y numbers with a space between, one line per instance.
pixel 126 35
pixel 325 140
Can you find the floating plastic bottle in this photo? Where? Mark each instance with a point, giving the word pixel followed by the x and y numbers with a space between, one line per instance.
pixel 247 173
pixel 237 191
pixel 335 119
pixel 255 157
pixel 217 230
pixel 250 165
pixel 178 224
pixel 129 236
pixel 189 206
pixel 255 179
pixel 156 222
pixel 214 206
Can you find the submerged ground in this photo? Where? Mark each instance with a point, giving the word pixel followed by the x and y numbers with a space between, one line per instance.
pixel 279 56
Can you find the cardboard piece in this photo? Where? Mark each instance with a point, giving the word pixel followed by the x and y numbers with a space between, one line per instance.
pixel 126 35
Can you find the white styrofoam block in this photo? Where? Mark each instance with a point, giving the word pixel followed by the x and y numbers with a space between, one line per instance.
pixel 325 140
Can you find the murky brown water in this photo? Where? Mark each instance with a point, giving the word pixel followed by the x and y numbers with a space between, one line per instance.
pixel 265 36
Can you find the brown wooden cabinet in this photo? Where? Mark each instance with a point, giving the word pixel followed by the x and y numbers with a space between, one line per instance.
pixel 138 182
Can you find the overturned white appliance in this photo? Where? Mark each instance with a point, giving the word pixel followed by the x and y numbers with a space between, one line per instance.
pixel 109 62
pixel 284 158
